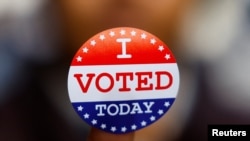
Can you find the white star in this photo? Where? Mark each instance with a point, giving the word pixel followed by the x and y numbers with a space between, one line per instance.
pixel 166 104
pixel 102 37
pixel 93 42
pixel 133 127
pixel 85 50
pixel 122 32
pixel 79 59
pixel 152 118
pixel 161 48
pixel 94 121
pixel 86 115
pixel 113 129
pixel 123 129
pixel 143 123
pixel 153 41
pixel 160 112
pixel 143 36
pixel 133 33
pixel 103 126
pixel 79 108
pixel 112 33
pixel 167 56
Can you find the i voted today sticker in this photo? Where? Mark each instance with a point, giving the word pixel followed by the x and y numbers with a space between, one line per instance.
pixel 122 80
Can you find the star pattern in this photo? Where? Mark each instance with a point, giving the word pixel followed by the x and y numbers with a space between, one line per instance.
pixel 133 33
pixel 103 126
pixel 152 118
pixel 143 36
pixel 85 50
pixel 133 127
pixel 153 41
pixel 143 123
pixel 93 43
pixel 79 108
pixel 161 48
pixel 94 121
pixel 102 37
pixel 112 33
pixel 167 56
pixel 79 59
pixel 160 112
pixel 113 129
pixel 125 128
pixel 167 104
pixel 122 32
pixel 86 115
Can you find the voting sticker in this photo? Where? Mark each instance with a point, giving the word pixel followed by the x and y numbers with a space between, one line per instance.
pixel 122 80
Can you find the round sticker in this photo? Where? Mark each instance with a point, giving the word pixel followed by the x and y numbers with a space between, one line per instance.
pixel 122 80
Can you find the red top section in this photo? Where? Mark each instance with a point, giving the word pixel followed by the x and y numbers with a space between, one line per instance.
pixel 123 46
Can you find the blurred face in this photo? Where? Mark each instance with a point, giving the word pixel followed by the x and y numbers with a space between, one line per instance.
pixel 86 18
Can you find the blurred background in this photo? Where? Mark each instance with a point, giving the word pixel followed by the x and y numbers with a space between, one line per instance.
pixel 38 39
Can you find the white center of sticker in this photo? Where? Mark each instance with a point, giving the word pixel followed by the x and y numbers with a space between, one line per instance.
pixel 122 80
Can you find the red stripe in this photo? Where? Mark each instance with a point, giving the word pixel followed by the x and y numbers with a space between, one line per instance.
pixel 105 52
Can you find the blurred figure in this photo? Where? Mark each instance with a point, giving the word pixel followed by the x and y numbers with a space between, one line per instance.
pixel 216 35
pixel 29 47
pixel 38 40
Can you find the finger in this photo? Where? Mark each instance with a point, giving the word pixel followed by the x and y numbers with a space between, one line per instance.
pixel 99 135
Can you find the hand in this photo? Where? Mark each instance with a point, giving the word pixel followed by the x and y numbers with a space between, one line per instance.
pixel 99 135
